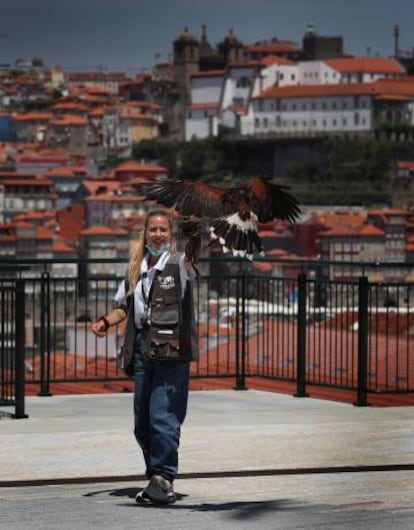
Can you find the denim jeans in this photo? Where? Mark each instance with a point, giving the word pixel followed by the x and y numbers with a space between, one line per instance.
pixel 160 406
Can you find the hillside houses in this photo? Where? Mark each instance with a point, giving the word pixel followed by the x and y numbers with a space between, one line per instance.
pixel 58 129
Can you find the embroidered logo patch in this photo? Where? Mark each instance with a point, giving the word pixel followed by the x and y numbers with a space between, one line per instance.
pixel 167 282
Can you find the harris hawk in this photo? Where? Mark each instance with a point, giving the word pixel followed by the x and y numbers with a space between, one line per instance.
pixel 233 212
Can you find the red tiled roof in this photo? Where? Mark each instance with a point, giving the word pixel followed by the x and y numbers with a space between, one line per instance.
pixel 393 97
pixel 102 231
pixel 34 116
pixel 66 171
pixel 94 186
pixel 376 89
pixel 340 231
pixel 262 266
pixel 69 105
pixel 68 120
pixel 33 182
pixel 109 197
pixel 71 221
pixel 44 233
pixel 274 59
pixel 197 106
pixel 132 165
pixel 403 164
pixel 276 253
pixel 59 247
pixel 366 64
pixel 370 230
pixel 210 73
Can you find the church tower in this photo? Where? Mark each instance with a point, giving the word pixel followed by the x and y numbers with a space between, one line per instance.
pixel 186 61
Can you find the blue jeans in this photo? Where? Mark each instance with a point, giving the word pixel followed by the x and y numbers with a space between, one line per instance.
pixel 160 406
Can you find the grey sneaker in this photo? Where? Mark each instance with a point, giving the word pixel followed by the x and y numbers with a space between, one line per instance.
pixel 158 491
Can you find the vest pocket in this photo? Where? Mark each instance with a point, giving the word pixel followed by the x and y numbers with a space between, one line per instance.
pixel 161 347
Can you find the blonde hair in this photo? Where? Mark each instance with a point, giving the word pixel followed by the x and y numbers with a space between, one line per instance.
pixel 138 253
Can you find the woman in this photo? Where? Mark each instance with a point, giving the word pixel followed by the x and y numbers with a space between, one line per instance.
pixel 161 387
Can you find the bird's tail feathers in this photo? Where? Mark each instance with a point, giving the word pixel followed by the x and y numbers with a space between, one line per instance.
pixel 236 236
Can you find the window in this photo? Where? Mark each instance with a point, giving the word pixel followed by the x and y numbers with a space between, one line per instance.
pixel 243 82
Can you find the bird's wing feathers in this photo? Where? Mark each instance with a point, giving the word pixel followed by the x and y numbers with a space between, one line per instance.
pixel 269 201
pixel 189 198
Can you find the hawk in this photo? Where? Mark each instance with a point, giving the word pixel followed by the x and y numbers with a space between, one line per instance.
pixel 233 213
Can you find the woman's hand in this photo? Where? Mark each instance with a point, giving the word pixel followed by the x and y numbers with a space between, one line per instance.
pixel 100 327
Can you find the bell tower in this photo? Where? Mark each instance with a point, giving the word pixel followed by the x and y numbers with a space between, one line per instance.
pixel 186 61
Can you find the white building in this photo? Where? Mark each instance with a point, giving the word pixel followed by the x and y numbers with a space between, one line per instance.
pixel 278 96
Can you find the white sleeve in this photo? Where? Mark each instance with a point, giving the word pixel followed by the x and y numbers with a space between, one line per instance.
pixel 120 296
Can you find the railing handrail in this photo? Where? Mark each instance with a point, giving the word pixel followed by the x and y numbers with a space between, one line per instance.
pixel 38 263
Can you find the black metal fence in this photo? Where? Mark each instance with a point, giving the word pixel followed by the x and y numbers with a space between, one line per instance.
pixel 12 344
pixel 302 327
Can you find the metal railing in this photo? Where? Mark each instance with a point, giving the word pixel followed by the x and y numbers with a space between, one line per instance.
pixel 12 343
pixel 299 326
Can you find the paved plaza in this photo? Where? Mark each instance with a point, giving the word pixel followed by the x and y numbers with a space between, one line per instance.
pixel 249 460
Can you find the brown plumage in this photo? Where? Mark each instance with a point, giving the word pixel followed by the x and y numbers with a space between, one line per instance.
pixel 233 212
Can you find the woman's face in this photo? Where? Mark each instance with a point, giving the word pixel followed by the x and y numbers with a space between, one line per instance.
pixel 158 232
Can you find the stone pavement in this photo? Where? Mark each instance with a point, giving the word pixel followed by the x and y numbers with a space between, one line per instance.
pixel 248 460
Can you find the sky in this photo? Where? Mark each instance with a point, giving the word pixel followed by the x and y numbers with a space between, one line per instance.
pixel 135 34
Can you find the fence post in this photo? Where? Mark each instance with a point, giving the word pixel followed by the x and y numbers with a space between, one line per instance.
pixel 301 339
pixel 44 346
pixel 363 289
pixel 241 335
pixel 19 382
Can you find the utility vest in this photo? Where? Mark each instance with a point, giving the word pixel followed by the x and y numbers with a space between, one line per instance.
pixel 171 331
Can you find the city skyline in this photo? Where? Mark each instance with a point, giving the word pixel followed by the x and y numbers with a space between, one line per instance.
pixel 122 34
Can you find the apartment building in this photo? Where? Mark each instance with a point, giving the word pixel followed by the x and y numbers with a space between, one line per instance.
pixel 279 97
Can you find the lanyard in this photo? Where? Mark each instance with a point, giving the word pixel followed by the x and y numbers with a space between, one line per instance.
pixel 147 297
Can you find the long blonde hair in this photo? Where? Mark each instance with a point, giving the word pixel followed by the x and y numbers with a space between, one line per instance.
pixel 134 267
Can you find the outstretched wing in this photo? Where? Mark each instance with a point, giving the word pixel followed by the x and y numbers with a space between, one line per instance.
pixel 190 198
pixel 269 201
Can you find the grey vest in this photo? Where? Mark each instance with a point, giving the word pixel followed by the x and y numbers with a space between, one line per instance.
pixel 169 310
pixel 172 327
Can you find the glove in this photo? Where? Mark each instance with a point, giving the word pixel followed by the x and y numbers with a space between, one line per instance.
pixel 191 227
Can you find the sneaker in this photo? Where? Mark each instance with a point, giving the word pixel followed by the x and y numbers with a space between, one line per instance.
pixel 158 491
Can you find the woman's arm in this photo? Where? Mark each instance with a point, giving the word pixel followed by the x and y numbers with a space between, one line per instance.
pixel 116 316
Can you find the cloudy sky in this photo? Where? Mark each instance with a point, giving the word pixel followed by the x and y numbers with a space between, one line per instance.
pixel 120 34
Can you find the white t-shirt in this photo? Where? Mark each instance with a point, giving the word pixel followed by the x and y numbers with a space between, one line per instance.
pixel 145 281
